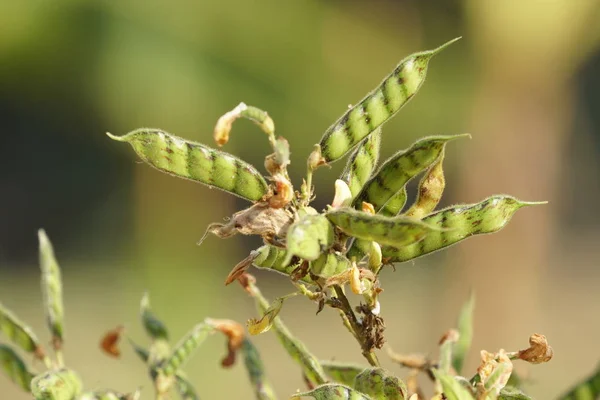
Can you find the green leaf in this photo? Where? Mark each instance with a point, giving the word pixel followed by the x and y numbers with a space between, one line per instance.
pixel 256 372
pixel 185 388
pixel 380 385
pixel 512 393
pixel 588 389
pixel 343 373
pixel 15 368
pixel 333 391
pixel 453 390
pixel 154 327
pixel 19 333
pixel 52 289
pixel 465 331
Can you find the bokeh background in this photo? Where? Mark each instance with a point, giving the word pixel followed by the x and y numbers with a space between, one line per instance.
pixel 524 81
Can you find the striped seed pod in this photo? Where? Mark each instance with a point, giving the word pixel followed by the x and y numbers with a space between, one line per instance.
pixel 333 391
pixel 309 237
pixel 343 373
pixel 51 289
pixel 362 162
pixel 379 384
pixel 329 265
pixel 154 327
pixel 62 384
pixel 185 348
pixel 392 231
pixel 378 106
pixel 460 222
pixel 395 172
pixel 256 372
pixel 19 333
pixel 15 368
pixel 194 161
pixel 430 191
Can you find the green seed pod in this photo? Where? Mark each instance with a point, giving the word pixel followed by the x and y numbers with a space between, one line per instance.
pixel 395 204
pixel 465 334
pixel 154 327
pixel 362 162
pixel 19 333
pixel 430 191
pixel 309 237
pixel 589 389
pixel 63 384
pixel 343 373
pixel 51 289
pixel 256 373
pixel 396 171
pixel 379 384
pixel 190 160
pixel 185 388
pixel 461 222
pixel 378 106
pixel 15 368
pixel 294 347
pixel 330 264
pixel 452 388
pixel 393 231
pixel 333 391
pixel 512 393
pixel 185 348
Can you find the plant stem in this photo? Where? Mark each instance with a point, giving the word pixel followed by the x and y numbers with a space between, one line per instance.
pixel 351 322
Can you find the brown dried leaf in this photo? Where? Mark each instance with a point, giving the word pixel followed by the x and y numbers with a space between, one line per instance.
pixel 110 341
pixel 539 350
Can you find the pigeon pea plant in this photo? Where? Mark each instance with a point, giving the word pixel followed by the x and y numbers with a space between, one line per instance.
pixel 322 253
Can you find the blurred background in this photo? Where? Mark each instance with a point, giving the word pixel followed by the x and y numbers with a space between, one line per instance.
pixel 524 81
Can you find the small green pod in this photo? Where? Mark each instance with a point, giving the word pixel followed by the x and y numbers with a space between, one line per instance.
pixel 273 258
pixel 395 172
pixel 15 368
pixel 183 350
pixel 362 162
pixel 343 373
pixel 18 332
pixel 256 372
pixel 309 237
pixel 459 222
pixel 63 384
pixel 395 204
pixel 51 288
pixel 378 106
pixel 330 264
pixel 430 191
pixel 379 384
pixel 588 389
pixel 154 327
pixel 392 231
pixel 333 391
pixel 194 161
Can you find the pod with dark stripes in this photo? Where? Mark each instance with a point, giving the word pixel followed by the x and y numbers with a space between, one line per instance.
pixel 343 373
pixel 15 368
pixel 395 204
pixel 379 384
pixel 184 349
pixel 395 172
pixel 392 231
pixel 378 106
pixel 589 389
pixel 333 391
pixel 63 384
pixel 330 264
pixel 256 372
pixel 362 162
pixel 194 161
pixel 309 237
pixel 457 223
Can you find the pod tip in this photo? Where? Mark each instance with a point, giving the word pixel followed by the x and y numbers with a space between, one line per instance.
pixel 114 137
pixel 442 47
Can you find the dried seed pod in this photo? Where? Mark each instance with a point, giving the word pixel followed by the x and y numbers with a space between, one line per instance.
pixel 194 161
pixel 154 327
pixel 446 350
pixel 462 221
pixel 52 289
pixel 19 333
pixel 184 349
pixel 430 190
pixel 62 384
pixel 494 371
pixel 378 106
pixel 465 332
pixel 256 115
pixel 15 368
pixel 256 372
pixel 362 162
pixel 392 231
pixel 379 384
pixel 309 237
pixel 333 391
pixel 587 389
pixel 539 351
pixel 396 171
pixel 343 373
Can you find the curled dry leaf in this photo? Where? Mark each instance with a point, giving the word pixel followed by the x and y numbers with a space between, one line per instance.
pixel 110 341
pixel 234 332
pixel 494 371
pixel 539 350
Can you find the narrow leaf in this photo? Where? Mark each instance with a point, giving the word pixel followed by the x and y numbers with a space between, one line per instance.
pixel 453 390
pixel 256 373
pixel 343 373
pixel 333 391
pixel 512 393
pixel 19 333
pixel 154 327
pixel 465 331
pixel 15 368
pixel 185 388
